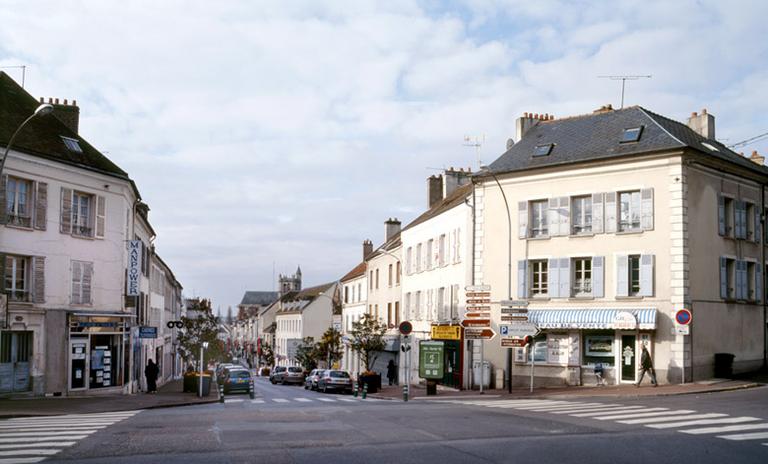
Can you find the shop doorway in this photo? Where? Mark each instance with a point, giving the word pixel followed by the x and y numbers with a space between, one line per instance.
pixel 15 354
pixel 78 367
pixel 628 361
pixel 452 375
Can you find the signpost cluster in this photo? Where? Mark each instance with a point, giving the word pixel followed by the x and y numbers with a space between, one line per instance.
pixel 477 320
pixel 518 333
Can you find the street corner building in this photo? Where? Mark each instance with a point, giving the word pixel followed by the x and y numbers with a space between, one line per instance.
pixel 606 225
pixel 86 300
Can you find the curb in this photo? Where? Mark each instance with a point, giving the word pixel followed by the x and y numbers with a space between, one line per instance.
pixel 154 406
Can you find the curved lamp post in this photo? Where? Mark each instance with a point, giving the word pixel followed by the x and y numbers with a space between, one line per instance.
pixel 42 110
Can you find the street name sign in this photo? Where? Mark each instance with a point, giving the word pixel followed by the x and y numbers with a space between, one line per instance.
pixel 509 310
pixel 479 334
pixel 512 342
pixel 514 318
pixel 472 301
pixel 478 294
pixel 431 359
pixel 478 315
pixel 478 288
pixel 476 323
pixel 513 303
pixel 478 308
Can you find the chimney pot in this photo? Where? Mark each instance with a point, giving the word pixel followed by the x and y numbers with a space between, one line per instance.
pixel 42 100
pixel 694 114
pixel 704 111
pixel 65 101
pixel 50 99
pixel 74 102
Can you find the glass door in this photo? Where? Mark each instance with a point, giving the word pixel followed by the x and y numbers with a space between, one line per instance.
pixel 628 355
pixel 78 363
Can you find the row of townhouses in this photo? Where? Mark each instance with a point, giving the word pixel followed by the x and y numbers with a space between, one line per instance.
pixel 86 298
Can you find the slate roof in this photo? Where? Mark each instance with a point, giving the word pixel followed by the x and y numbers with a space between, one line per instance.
pixel 357 271
pixel 42 136
pixel 259 298
pixel 297 301
pixel 597 136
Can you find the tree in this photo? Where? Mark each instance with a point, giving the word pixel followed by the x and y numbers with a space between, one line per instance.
pixel 204 328
pixel 267 354
pixel 306 353
pixel 367 337
pixel 329 347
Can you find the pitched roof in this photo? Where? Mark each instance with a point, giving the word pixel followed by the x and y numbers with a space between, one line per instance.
pixel 455 198
pixel 297 301
pixel 357 271
pixel 259 298
pixel 42 136
pixel 597 136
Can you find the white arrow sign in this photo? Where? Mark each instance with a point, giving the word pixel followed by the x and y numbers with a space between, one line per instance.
pixel 519 330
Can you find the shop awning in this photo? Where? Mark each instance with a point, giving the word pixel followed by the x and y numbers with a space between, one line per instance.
pixel 100 314
pixel 589 318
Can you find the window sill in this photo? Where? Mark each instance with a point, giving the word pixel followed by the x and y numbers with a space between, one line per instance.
pixel 83 237
pixel 581 298
pixel 633 297
pixel 582 235
pixel 543 237
pixel 540 298
pixel 19 226
pixel 630 232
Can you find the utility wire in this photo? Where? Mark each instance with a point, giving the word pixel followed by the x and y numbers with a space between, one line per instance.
pixel 749 141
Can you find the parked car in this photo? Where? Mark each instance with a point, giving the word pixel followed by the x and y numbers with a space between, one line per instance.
pixel 277 374
pixel 222 372
pixel 310 382
pixel 237 380
pixel 333 380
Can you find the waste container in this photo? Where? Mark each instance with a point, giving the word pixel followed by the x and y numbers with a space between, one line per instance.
pixel 486 374
pixel 724 365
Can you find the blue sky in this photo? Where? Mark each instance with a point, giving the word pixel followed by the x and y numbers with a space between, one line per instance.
pixel 288 132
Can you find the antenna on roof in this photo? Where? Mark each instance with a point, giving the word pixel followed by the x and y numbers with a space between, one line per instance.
pixel 624 80
pixel 476 141
pixel 23 72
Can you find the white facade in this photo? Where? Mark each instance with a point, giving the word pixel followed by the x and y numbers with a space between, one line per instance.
pixel 354 301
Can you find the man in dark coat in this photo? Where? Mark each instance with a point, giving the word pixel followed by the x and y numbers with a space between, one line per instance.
pixel 646 365
pixel 391 372
pixel 151 372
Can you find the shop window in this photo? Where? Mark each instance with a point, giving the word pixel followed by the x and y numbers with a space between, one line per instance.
pixel 599 348
pixel 539 350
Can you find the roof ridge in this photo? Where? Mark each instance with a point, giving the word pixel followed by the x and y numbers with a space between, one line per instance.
pixel 587 115
pixel 652 116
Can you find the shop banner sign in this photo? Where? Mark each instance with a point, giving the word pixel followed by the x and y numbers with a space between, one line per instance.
pixel 147 332
pixel 134 267
pixel 431 355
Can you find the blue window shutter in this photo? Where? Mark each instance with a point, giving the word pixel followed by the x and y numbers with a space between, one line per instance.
pixel 522 279
pixel 720 215
pixel 646 275
pixel 759 283
pixel 565 215
pixel 597 213
pixel 723 278
pixel 741 226
pixel 758 230
pixel 598 285
pixel 565 277
pixel 522 219
pixel 610 212
pixel 622 275
pixel 646 209
pixel 553 218
pixel 553 278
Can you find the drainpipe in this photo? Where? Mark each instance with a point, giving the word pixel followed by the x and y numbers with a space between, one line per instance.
pixel 762 264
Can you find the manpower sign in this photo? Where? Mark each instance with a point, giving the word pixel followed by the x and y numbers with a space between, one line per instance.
pixel 134 267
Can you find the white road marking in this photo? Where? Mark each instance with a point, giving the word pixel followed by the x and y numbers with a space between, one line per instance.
pixel 348 400
pixel 303 400
pixel 48 434
pixel 67 417
pixel 661 412
pixel 327 400
pixel 257 401
pixel 56 424
pixel 541 406
pixel 233 401
pixel 38 439
pixel 38 445
pixel 279 400
pixel 728 428
pixel 30 452
pixel 602 407
pixel 613 411
pixel 675 419
pixel 20 460
pixel 53 429
pixel 745 436
pixel 566 407
pixel 727 420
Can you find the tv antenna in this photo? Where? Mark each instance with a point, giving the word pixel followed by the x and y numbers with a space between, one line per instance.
pixel 23 72
pixel 477 142
pixel 624 80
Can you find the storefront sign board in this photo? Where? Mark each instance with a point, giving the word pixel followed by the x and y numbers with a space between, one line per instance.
pixel 147 332
pixel 431 354
pixel 134 267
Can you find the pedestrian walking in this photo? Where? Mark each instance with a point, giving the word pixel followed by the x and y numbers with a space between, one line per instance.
pixel 151 372
pixel 391 372
pixel 646 365
pixel 599 374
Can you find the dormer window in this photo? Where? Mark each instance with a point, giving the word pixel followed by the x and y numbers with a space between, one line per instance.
pixel 543 150
pixel 631 134
pixel 72 144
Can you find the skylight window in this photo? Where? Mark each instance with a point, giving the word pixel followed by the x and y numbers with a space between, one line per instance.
pixel 711 147
pixel 543 150
pixel 72 144
pixel 631 134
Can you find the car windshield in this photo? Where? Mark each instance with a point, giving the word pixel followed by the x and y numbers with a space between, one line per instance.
pixel 340 374
pixel 294 369
pixel 279 369
pixel 240 374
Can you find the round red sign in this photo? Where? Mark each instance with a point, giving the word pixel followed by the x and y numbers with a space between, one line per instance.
pixel 405 328
pixel 683 316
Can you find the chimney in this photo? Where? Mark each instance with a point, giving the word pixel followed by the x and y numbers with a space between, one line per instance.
pixel 455 178
pixel 391 228
pixel 757 158
pixel 603 109
pixel 523 124
pixel 67 113
pixel 367 248
pixel 434 190
pixel 703 124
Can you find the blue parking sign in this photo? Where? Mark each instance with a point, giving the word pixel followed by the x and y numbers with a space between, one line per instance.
pixel 504 329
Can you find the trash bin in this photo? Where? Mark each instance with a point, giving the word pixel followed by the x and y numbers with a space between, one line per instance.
pixel 431 387
pixel 486 374
pixel 724 365
pixel 206 384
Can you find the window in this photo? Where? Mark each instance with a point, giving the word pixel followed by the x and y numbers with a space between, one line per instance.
pixel 17 277
pixel 726 213
pixel 397 313
pixel 389 314
pixel 18 199
pixel 430 245
pixel 581 214
pixel 629 211
pixel 72 144
pixel 631 135
pixel 389 276
pixel 727 278
pixel 751 283
pixel 397 274
pixel 539 278
pixel 409 261
pixel 582 277
pixel 346 294
pixel 543 150
pixel 749 222
pixel 441 313
pixel 441 251
pixel 370 281
pixel 81 214
pixel 634 275
pixel 418 257
pixel 377 279
pixel 82 275
pixel 539 226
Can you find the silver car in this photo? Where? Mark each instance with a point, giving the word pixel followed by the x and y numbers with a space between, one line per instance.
pixel 310 383
pixel 332 380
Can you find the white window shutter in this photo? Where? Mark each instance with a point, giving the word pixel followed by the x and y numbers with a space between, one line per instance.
pixel 720 215
pixel 622 275
pixel 598 270
pixel 759 283
pixel 597 213
pixel 65 224
pixel 87 281
pixel 553 278
pixel 458 245
pixel 553 218
pixel 723 278
pixel 522 279
pixel 41 206
pixel 646 209
pixel 565 277
pixel 646 275
pixel 3 202
pixel 101 216
pixel 77 275
pixel 565 213
pixel 610 212
pixel 522 219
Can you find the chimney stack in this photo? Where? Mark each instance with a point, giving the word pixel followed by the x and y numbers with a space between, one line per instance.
pixel 367 248
pixel 455 178
pixel 757 158
pixel 524 123
pixel 434 190
pixel 703 124
pixel 391 228
pixel 68 114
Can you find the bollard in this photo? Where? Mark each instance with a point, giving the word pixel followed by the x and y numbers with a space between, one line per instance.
pixel 221 393
pixel 251 392
pixel 357 384
pixel 365 389
pixel 405 392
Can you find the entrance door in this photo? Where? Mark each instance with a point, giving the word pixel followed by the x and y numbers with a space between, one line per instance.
pixel 78 363
pixel 628 358
pixel 15 353
pixel 452 364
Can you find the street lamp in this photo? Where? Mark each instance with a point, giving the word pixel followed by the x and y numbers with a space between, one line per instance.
pixel 41 110
pixel 203 347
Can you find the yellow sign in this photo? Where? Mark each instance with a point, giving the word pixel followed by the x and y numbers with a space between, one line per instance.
pixel 446 332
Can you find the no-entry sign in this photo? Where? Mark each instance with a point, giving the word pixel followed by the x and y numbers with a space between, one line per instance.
pixel 683 316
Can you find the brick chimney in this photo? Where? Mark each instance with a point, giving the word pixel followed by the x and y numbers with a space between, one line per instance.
pixel 455 178
pixel 367 248
pixel 703 124
pixel 434 190
pixel 757 158
pixel 67 113
pixel 391 228
pixel 524 123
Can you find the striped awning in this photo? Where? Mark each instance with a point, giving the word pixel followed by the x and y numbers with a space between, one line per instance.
pixel 589 318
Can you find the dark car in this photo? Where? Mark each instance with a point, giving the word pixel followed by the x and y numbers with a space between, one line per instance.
pixel 277 374
pixel 310 382
pixel 332 380
pixel 237 380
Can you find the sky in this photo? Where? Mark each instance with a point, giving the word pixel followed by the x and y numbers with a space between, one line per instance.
pixel 270 135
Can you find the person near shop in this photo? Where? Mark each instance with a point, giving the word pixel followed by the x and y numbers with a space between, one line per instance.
pixel 646 365
pixel 151 372
pixel 391 372
pixel 599 374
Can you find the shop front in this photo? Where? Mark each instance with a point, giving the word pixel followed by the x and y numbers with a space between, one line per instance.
pixel 98 351
pixel 453 354
pixel 576 344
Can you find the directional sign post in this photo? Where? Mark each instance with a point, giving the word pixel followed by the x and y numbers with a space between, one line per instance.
pixel 479 334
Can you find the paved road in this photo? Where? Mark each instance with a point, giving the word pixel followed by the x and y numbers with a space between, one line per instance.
pixel 287 424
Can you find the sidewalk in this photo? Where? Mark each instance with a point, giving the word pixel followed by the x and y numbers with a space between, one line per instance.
pixel 168 395
pixel 706 386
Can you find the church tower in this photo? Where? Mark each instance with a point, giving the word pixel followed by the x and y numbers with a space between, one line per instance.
pixel 290 283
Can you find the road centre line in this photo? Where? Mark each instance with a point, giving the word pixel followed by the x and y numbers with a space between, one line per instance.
pixel 728 428
pixel 303 400
pixel 279 400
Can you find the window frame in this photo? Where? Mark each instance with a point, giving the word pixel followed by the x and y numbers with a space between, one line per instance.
pixel 540 228
pixel 620 227
pixel 78 228
pixel 26 276
pixel 582 266
pixel 14 218
pixel 633 265
pixel 542 291
pixel 586 227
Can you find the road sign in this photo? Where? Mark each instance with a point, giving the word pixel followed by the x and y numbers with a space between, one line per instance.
pixel 478 294
pixel 519 330
pixel 431 359
pixel 513 303
pixel 479 334
pixel 471 301
pixel 682 329
pixel 513 342
pixel 683 316
pixel 478 288
pixel 508 310
pixel 478 315
pixel 514 318
pixel 476 323
pixel 405 328
pixel 446 332
pixel 478 308
pixel 147 332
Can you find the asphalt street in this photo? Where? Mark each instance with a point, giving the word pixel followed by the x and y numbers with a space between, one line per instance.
pixel 287 424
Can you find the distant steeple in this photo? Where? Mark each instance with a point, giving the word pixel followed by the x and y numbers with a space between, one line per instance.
pixel 292 283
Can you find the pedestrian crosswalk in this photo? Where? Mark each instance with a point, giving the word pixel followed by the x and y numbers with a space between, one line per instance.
pixel 302 400
pixel 689 421
pixel 33 439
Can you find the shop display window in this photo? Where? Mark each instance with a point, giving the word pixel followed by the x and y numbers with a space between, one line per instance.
pixel 599 348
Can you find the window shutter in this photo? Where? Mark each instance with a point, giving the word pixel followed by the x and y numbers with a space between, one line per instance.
pixel 3 204
pixel 77 274
pixel 565 277
pixel 720 215
pixel 646 209
pixel 744 284
pixel 598 286
pixel 610 212
pixel 646 275
pixel 597 213
pixel 41 205
pixel 565 213
pixel 522 219
pixel 2 275
pixel 739 281
pixel 759 283
pixel 758 229
pixel 101 216
pixel 65 226
pixel 622 275
pixel 740 226
pixel 553 218
pixel 723 278
pixel 38 268
pixel 522 280
pixel 553 278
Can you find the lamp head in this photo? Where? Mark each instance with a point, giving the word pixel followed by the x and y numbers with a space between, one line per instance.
pixel 43 109
pixel 205 345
